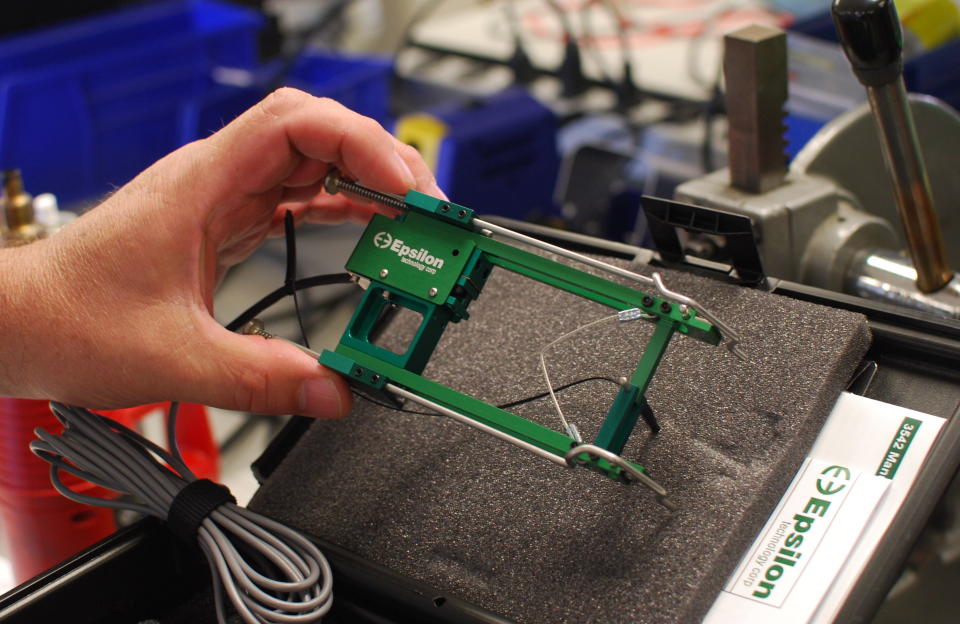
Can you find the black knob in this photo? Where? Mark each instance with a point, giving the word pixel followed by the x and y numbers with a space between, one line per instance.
pixel 871 37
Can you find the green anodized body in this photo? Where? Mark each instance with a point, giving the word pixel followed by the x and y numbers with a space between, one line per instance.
pixel 431 260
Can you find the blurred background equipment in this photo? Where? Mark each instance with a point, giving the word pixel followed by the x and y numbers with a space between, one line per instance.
pixel 497 153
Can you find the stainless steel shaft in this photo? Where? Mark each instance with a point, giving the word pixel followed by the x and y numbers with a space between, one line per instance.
pixel 872 39
pixel 901 152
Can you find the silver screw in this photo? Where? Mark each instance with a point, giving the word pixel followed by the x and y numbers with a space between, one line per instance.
pixel 384 272
pixel 623 381
pixel 432 292
pixel 684 311
pixel 255 328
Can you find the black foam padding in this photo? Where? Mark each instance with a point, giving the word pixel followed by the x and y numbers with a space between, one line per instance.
pixel 511 532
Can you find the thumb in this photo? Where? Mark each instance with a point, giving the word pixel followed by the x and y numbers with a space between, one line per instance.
pixel 253 374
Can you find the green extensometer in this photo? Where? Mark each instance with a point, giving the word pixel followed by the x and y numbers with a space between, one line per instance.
pixel 434 259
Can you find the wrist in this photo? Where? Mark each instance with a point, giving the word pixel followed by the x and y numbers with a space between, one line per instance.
pixel 21 290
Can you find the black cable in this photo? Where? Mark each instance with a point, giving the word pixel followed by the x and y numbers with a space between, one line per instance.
pixel 422 13
pixel 590 33
pixel 628 93
pixel 558 389
pixel 311 310
pixel 565 22
pixel 572 80
pixel 523 70
pixel 501 406
pixel 290 287
pixel 313 313
pixel 713 107
pixel 302 39
pixel 278 294
pixel 172 443
pixel 397 83
pixel 290 279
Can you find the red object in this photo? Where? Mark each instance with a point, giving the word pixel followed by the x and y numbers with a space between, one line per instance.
pixel 41 527
pixel 197 446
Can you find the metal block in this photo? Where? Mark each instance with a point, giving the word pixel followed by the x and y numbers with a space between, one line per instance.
pixel 755 69
pixel 784 219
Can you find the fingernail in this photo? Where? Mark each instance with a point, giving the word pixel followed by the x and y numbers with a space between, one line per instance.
pixel 408 178
pixel 320 398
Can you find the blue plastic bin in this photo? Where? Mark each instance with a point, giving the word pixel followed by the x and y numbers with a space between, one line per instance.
pixel 361 83
pixel 85 106
pixel 499 155
pixel 935 72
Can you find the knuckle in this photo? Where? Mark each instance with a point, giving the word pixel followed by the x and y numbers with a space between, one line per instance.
pixel 371 125
pixel 407 151
pixel 282 100
pixel 329 108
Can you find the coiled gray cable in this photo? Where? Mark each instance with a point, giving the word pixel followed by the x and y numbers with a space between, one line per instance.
pixel 271 573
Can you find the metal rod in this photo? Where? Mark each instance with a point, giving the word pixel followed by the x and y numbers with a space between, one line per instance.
pixel 616 460
pixel 901 152
pixel 335 183
pixel 560 251
pixel 885 275
pixel 733 338
pixel 872 39
pixel 446 411
pixel 726 331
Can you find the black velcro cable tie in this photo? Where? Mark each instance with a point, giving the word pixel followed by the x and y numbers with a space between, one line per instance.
pixel 193 504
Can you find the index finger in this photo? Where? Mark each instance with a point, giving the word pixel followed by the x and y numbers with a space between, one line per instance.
pixel 262 147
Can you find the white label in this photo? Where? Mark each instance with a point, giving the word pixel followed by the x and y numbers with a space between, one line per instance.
pixel 789 541
pixel 859 435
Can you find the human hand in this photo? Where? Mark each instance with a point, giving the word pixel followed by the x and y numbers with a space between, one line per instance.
pixel 116 309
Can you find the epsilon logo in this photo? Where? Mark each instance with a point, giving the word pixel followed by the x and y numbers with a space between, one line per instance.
pixel 418 257
pixel 382 240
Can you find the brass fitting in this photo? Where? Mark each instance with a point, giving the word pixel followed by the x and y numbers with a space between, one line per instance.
pixel 18 211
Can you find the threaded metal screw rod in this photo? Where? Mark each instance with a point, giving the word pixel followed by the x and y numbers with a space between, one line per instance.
pixel 335 183
pixel 255 328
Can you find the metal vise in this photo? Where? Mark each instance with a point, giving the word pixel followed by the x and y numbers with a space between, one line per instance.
pixel 827 220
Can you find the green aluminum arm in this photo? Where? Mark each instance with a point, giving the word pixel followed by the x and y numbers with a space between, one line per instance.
pixel 359 365
pixel 431 259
